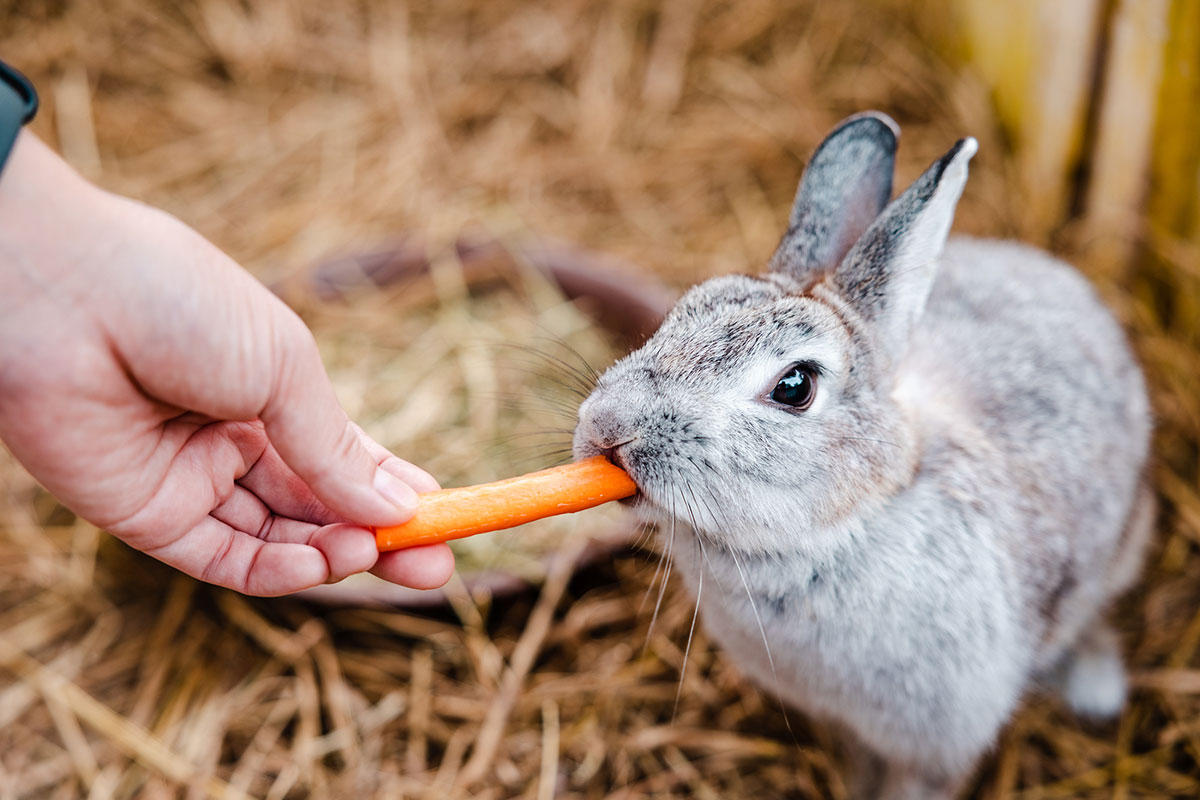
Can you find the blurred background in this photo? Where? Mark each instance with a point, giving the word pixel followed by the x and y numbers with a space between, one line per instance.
pixel 670 135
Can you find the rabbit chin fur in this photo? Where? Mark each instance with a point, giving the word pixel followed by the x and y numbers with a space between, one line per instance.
pixel 942 529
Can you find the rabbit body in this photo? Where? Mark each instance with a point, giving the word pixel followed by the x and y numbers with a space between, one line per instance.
pixel 922 630
pixel 942 528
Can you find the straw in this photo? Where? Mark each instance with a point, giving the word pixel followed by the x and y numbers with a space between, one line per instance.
pixel 670 135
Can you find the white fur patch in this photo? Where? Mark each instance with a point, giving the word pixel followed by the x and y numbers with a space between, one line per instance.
pixel 1095 684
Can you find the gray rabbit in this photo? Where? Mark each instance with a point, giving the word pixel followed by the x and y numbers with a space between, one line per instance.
pixel 904 475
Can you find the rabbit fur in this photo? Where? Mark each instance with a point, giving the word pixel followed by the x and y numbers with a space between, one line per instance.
pixel 942 529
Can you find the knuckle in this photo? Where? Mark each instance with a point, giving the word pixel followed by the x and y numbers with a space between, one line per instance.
pixel 344 456
pixel 216 565
pixel 348 449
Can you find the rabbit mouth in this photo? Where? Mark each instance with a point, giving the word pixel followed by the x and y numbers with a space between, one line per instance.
pixel 659 508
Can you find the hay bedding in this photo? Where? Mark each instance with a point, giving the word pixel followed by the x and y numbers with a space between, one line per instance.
pixel 671 135
pixel 431 367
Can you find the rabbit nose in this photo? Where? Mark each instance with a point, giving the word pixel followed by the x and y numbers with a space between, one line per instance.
pixel 607 432
pixel 613 453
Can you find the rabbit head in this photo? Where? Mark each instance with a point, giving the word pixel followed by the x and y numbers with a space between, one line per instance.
pixel 762 411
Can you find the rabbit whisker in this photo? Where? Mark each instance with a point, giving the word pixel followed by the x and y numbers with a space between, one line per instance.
pixel 517 401
pixel 584 379
pixel 529 434
pixel 645 533
pixel 554 458
pixel 766 645
pixel 585 366
pixel 688 648
pixel 708 499
pixel 532 445
pixel 699 593
pixel 701 536
pixel 536 456
pixel 662 557
pixel 662 589
pixel 569 382
pixel 868 439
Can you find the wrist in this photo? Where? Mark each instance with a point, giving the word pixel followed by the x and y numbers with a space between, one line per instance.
pixel 52 220
pixel 37 185
pixel 51 230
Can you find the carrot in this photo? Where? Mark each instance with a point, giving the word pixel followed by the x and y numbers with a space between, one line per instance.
pixel 454 513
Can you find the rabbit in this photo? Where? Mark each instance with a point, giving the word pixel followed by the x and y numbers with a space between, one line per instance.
pixel 902 476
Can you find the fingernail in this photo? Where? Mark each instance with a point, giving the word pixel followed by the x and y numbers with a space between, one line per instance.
pixel 394 490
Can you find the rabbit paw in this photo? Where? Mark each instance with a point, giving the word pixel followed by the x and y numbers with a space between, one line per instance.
pixel 1093 677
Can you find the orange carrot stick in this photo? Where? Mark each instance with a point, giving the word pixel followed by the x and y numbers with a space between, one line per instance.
pixel 454 513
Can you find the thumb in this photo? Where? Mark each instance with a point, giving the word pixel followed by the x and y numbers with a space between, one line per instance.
pixel 311 432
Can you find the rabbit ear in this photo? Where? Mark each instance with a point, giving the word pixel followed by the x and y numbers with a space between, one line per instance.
pixel 845 186
pixel 889 273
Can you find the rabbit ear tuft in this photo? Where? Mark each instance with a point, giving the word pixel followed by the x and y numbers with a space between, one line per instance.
pixel 845 186
pixel 888 275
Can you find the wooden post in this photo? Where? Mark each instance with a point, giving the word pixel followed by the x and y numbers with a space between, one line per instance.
pixel 1128 104
pixel 1039 59
pixel 1134 133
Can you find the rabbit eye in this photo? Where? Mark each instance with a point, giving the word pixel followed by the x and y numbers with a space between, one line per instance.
pixel 796 388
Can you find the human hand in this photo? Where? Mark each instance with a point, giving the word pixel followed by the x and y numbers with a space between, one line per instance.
pixel 159 391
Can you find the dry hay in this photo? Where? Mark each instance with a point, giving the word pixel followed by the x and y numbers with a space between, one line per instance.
pixel 474 380
pixel 670 136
